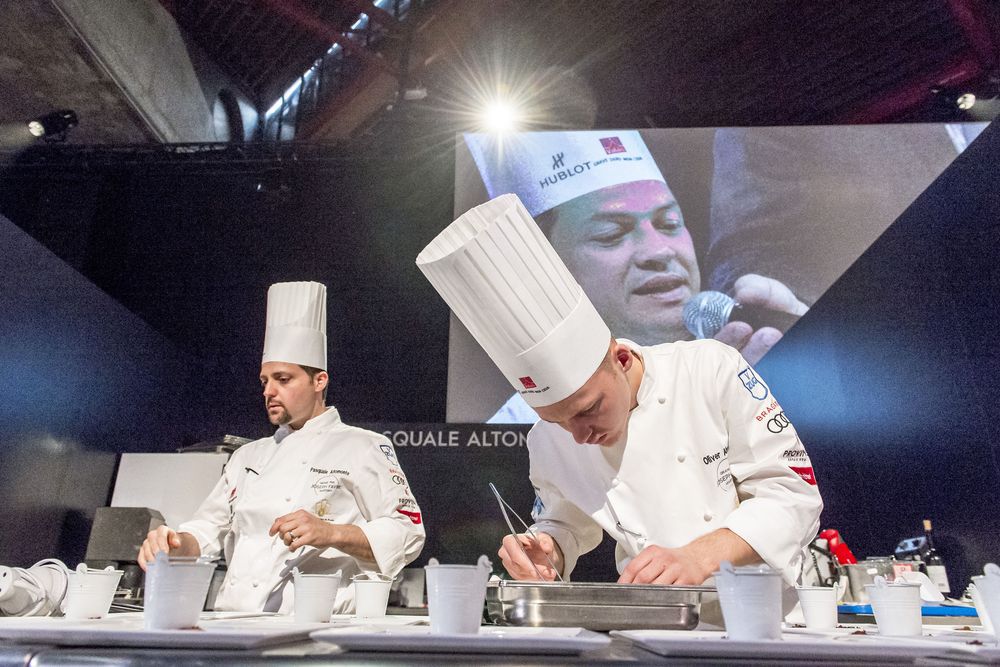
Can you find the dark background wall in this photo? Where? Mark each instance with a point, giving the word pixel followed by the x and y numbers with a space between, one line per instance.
pixel 169 264
pixel 133 309
pixel 895 394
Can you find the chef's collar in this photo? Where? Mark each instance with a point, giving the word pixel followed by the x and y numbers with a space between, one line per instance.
pixel 648 382
pixel 329 417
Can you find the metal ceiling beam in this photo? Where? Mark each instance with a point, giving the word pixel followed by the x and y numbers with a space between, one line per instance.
pixel 450 24
pixel 308 20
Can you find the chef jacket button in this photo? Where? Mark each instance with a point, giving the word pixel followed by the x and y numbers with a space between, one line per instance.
pixel 615 482
pixel 681 456
pixel 288 499
pixel 661 400
pixel 256 584
pixel 708 515
pixel 305 462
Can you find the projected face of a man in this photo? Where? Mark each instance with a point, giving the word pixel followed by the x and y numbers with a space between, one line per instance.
pixel 628 248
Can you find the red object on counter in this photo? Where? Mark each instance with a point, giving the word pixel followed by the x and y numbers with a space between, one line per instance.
pixel 838 547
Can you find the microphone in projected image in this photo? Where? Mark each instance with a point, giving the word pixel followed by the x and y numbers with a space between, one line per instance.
pixel 707 312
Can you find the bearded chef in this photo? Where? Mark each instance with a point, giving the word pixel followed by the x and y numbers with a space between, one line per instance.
pixel 318 495
pixel 678 451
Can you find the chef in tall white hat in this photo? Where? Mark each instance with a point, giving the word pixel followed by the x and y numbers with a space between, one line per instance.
pixel 604 204
pixel 678 451
pixel 318 495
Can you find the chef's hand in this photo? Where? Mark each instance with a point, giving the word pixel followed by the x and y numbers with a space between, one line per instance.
pixel 301 528
pixel 169 541
pixel 518 565
pixel 691 564
pixel 660 565
pixel 755 290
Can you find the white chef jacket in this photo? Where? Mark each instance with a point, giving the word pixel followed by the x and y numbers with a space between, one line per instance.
pixel 707 447
pixel 343 474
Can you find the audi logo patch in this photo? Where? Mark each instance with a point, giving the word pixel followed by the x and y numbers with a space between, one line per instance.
pixel 778 423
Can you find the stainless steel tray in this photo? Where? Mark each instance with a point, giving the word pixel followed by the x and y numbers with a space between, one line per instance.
pixel 595 606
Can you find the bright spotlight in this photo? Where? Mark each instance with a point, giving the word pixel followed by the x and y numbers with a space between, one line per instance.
pixel 501 116
pixel 966 101
pixel 53 126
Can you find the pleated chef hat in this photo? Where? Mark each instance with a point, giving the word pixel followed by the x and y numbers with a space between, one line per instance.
pixel 504 281
pixel 546 169
pixel 296 324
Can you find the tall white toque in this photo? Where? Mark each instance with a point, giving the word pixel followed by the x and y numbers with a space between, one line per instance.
pixel 296 324
pixel 546 169
pixel 504 281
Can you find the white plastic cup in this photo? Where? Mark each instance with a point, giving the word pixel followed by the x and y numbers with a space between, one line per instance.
pixel 411 587
pixel 751 603
pixel 315 595
pixel 371 597
pixel 819 606
pixel 897 609
pixel 91 592
pixel 175 592
pixel 987 589
pixel 984 615
pixel 456 595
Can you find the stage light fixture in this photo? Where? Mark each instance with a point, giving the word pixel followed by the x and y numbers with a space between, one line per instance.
pixel 966 101
pixel 415 94
pixel 501 116
pixel 54 126
pixel 272 183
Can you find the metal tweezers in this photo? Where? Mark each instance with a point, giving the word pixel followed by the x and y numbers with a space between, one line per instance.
pixel 513 533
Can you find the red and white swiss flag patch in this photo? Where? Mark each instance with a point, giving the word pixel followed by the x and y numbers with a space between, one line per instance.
pixel 415 517
pixel 805 473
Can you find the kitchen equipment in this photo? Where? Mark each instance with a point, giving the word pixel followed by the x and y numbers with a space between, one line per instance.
pixel 595 606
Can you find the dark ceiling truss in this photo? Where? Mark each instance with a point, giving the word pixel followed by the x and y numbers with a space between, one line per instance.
pixel 219 157
pixel 338 69
pixel 265 45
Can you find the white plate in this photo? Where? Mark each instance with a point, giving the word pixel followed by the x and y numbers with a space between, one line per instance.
pixel 417 639
pixel 800 644
pixel 395 619
pixel 215 630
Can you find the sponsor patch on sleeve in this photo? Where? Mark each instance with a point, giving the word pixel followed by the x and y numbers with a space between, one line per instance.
pixel 390 453
pixel 414 517
pixel 806 474
pixel 537 507
pixel 753 384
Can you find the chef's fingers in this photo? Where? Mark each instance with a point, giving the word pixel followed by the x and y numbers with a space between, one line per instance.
pixel 283 525
pixel 546 544
pixel 143 557
pixel 634 566
pixel 649 573
pixel 649 570
pixel 290 532
pixel 752 289
pixel 515 561
pixel 735 334
pixel 667 577
pixel 276 527
pixel 760 342
pixel 159 539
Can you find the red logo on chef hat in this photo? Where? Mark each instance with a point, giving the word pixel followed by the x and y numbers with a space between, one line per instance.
pixel 527 382
pixel 613 145
pixel 806 474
